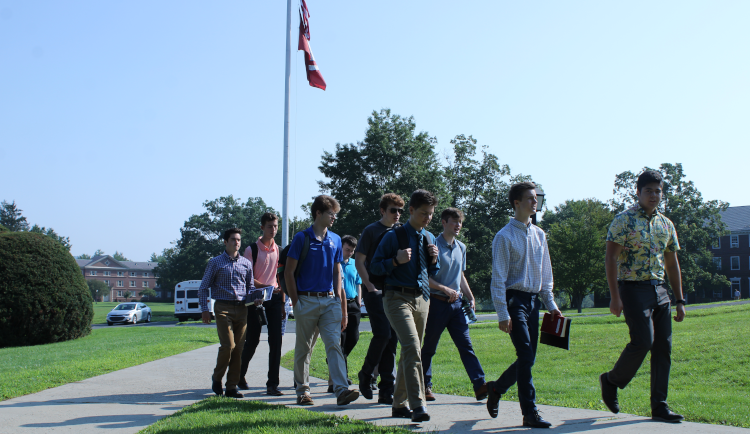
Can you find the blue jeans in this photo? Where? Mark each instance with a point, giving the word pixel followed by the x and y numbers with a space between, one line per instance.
pixel 450 315
pixel 523 308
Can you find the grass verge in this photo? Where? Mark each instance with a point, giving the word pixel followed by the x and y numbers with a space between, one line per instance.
pixel 25 370
pixel 226 415
pixel 160 311
pixel 708 381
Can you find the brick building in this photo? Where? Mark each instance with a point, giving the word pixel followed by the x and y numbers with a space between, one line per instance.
pixel 121 276
pixel 732 255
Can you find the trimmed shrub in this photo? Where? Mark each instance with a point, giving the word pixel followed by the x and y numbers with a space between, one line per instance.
pixel 3 229
pixel 44 296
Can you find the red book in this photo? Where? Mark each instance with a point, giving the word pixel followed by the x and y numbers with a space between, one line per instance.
pixel 555 325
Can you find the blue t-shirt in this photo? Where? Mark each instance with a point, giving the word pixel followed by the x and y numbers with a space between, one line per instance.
pixel 452 264
pixel 316 274
pixel 351 278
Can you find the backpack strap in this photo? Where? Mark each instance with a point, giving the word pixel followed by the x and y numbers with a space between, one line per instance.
pixel 402 236
pixel 254 249
pixel 302 255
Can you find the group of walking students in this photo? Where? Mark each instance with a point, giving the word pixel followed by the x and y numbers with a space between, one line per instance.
pixel 413 286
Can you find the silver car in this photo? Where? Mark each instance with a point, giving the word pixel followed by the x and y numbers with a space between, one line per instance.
pixel 129 313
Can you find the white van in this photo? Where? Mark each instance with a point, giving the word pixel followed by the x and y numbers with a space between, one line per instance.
pixel 186 303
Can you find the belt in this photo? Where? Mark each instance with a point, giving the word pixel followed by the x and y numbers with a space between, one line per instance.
pixel 652 282
pixel 315 293
pixel 444 298
pixel 404 289
pixel 351 300
pixel 232 302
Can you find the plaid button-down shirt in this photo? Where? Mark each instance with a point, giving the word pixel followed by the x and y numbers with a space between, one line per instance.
pixel 520 261
pixel 229 279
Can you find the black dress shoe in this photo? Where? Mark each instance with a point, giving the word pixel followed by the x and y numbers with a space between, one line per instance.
pixel 493 400
pixel 242 385
pixel 349 381
pixel 233 393
pixel 330 389
pixel 609 394
pixel 420 415
pixel 401 412
pixel 667 415
pixel 273 391
pixel 535 421
pixel 385 399
pixel 216 386
pixel 364 384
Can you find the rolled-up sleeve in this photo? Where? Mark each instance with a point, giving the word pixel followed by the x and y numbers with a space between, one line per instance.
pixel 381 264
pixel 500 266
pixel 208 279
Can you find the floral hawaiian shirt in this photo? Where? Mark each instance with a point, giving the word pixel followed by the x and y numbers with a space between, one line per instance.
pixel 645 241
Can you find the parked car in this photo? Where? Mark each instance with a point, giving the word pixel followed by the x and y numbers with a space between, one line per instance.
pixel 129 313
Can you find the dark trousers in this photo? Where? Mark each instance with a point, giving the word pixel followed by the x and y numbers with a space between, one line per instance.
pixel 350 335
pixel 274 311
pixel 523 308
pixel 382 349
pixel 450 315
pixel 647 314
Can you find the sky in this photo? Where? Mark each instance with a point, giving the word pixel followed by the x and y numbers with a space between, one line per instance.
pixel 119 119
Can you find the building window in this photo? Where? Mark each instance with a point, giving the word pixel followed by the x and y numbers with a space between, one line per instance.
pixel 119 293
pixel 158 294
pixel 119 283
pixel 107 273
pixel 132 274
pixel 119 274
pixel 734 263
pixel 717 262
pixel 169 294
pixel 145 283
pixel 734 241
pixel 717 293
pixel 145 274
pixel 132 283
pixel 106 282
pixel 716 244
pixel 92 273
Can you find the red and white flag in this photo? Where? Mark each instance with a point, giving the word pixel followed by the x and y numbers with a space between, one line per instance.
pixel 314 77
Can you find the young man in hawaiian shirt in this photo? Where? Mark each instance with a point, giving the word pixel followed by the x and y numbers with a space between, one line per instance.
pixel 641 247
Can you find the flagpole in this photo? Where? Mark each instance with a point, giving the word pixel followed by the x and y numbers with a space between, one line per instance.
pixel 285 203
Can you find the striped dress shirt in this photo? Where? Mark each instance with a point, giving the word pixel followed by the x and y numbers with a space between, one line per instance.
pixel 520 261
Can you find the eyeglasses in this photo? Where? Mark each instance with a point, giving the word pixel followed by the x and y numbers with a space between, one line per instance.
pixel 331 214
pixel 395 210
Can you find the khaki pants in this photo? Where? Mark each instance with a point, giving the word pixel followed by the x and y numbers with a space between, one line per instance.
pixel 407 314
pixel 231 325
pixel 324 314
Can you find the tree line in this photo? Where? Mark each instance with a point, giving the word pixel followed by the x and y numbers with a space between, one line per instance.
pixel 394 157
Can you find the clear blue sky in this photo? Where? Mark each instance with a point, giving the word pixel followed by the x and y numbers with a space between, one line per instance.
pixel 118 119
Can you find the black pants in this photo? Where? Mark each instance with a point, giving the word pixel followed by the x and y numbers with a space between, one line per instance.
pixel 647 314
pixel 274 311
pixel 523 308
pixel 382 350
pixel 350 335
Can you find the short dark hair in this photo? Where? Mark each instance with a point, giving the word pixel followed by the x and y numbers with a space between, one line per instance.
pixel 348 239
pixel 267 217
pixel 422 197
pixel 648 177
pixel 322 204
pixel 228 233
pixel 452 213
pixel 390 198
pixel 517 190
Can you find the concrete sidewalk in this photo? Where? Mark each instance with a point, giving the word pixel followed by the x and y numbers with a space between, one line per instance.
pixel 129 400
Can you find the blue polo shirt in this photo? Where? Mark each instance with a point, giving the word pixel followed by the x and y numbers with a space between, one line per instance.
pixel 452 264
pixel 351 278
pixel 316 274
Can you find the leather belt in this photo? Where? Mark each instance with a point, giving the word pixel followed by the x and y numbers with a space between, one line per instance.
pixel 445 298
pixel 232 302
pixel 652 282
pixel 404 289
pixel 315 293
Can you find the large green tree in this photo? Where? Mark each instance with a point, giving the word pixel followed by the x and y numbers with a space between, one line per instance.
pixel 65 241
pixel 12 218
pixel 392 157
pixel 118 256
pixel 97 288
pixel 697 221
pixel 577 239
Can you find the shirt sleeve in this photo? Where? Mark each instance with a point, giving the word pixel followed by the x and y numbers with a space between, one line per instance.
pixel 547 284
pixel 432 269
pixel 381 262
pixel 500 266
pixel 618 230
pixel 673 244
pixel 463 267
pixel 249 282
pixel 248 254
pixel 363 246
pixel 339 255
pixel 208 279
pixel 295 249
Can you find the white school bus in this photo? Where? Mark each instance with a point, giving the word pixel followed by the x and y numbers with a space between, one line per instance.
pixel 186 302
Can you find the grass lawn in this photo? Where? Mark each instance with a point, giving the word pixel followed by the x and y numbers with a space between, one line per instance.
pixel 160 311
pixel 227 415
pixel 708 382
pixel 25 370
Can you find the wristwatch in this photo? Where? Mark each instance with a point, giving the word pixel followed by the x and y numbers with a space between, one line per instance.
pixel 680 301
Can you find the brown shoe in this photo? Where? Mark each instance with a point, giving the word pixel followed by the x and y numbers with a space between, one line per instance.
pixel 428 394
pixel 273 391
pixel 481 393
pixel 347 396
pixel 304 400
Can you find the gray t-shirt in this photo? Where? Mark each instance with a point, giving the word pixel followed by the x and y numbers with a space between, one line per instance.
pixel 369 237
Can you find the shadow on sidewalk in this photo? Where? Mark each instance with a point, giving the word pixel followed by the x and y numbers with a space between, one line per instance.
pixel 135 398
pixel 116 421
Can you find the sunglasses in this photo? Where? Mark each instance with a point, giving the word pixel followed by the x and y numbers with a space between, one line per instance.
pixel 396 210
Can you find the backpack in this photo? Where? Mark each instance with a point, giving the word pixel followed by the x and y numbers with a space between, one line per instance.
pixel 254 250
pixel 403 243
pixel 282 262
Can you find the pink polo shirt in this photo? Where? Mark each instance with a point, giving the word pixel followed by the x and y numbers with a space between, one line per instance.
pixel 264 268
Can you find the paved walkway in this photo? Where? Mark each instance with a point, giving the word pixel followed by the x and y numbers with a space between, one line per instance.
pixel 129 400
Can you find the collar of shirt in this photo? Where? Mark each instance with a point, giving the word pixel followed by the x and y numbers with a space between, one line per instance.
pixel 642 212
pixel 314 238
pixel 263 246
pixel 444 243
pixel 412 231
pixel 519 225
pixel 231 258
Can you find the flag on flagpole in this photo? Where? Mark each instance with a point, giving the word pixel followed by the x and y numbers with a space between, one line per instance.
pixel 314 77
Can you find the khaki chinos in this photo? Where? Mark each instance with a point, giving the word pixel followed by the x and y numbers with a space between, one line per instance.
pixel 407 313
pixel 231 326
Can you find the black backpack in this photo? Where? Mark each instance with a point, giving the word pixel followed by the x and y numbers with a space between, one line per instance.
pixel 403 243
pixel 282 262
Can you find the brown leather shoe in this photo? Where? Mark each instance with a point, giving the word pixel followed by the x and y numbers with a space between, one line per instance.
pixel 273 391
pixel 428 394
pixel 347 397
pixel 304 400
pixel 481 393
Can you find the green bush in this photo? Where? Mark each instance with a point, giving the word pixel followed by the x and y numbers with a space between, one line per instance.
pixel 44 295
pixel 3 229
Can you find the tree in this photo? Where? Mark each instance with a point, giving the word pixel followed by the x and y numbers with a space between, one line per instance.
pixel 11 217
pixel 97 288
pixel 126 295
pixel 84 256
pixel 697 221
pixel 148 293
pixel 119 256
pixel 577 239
pixel 99 252
pixel 391 158
pixel 156 258
pixel 65 241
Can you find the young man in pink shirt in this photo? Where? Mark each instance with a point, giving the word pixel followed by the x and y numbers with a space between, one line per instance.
pixel 264 255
